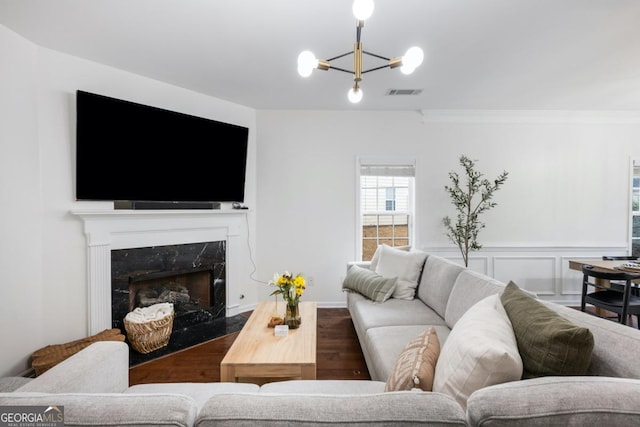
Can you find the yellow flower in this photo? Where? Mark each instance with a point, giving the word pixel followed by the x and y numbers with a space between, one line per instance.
pixel 290 287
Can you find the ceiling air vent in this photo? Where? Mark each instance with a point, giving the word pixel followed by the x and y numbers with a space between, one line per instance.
pixel 397 92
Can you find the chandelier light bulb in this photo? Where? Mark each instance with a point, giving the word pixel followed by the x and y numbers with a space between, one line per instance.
pixel 306 63
pixel 363 9
pixel 412 60
pixel 355 95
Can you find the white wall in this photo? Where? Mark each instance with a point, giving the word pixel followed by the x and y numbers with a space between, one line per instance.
pixel 566 195
pixel 21 264
pixel 44 268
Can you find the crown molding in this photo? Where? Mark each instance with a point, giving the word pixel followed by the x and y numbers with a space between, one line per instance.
pixel 530 116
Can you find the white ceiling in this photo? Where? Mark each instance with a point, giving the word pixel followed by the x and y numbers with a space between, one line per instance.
pixel 479 54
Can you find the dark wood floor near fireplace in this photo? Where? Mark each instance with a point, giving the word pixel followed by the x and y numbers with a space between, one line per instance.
pixel 338 355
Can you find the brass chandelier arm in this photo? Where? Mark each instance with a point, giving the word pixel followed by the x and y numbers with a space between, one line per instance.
pixel 342 69
pixel 340 56
pixel 376 68
pixel 376 55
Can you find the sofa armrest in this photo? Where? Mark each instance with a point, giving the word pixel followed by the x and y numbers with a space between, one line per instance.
pixel 109 409
pixel 583 401
pixel 102 367
pixel 13 383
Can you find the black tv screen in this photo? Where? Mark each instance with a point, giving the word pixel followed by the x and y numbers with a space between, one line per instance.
pixel 133 152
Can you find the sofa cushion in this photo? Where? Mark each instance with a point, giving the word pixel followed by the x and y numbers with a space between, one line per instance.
pixel 369 283
pixel 481 351
pixel 199 392
pixel 406 266
pixel 469 288
pixel 417 363
pixel 383 409
pixel 548 343
pixel 323 387
pixel 437 280
pixel 113 409
pixel 368 314
pixel 557 401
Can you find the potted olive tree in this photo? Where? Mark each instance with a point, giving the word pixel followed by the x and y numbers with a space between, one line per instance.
pixel 470 198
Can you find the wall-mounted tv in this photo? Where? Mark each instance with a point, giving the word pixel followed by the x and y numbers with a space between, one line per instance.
pixel 132 152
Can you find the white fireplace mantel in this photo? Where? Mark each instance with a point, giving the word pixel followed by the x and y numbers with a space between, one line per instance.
pixel 108 230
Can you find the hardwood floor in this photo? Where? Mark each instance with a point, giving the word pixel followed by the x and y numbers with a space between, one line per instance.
pixel 338 355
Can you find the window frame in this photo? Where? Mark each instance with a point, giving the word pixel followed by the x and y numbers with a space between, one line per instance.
pixel 410 212
pixel 634 164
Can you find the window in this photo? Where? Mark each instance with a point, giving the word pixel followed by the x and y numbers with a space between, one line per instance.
pixel 390 203
pixel 386 205
pixel 635 209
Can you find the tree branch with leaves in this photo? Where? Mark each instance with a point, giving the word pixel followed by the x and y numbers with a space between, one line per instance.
pixel 471 199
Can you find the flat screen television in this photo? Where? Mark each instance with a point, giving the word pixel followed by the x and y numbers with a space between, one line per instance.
pixel 132 152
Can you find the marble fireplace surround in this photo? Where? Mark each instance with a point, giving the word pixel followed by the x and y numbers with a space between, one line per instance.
pixel 108 230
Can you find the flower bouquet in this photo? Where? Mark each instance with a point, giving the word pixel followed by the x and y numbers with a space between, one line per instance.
pixel 291 288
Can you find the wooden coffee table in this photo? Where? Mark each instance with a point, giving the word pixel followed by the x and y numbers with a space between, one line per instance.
pixel 258 356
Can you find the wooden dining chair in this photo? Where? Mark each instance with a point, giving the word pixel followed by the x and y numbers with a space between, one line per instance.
pixel 611 292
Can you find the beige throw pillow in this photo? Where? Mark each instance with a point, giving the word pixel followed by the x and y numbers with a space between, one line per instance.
pixel 416 365
pixel 406 266
pixel 480 351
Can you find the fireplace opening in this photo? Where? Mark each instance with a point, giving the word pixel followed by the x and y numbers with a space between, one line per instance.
pixel 191 293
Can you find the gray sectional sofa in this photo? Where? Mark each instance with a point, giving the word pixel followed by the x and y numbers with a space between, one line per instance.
pixel 609 393
pixel 93 385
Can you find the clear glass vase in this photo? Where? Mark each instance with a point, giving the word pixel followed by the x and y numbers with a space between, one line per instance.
pixel 292 316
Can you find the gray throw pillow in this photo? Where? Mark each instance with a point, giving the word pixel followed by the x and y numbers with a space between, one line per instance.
pixel 549 344
pixel 369 283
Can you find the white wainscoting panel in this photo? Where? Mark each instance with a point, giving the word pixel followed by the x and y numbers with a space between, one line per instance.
pixel 572 279
pixel 533 273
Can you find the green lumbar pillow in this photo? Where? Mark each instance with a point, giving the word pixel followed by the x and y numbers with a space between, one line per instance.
pixel 548 343
pixel 369 283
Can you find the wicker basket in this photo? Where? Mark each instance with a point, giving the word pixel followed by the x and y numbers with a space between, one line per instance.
pixel 149 336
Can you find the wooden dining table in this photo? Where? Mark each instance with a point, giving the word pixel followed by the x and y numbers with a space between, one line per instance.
pixel 614 266
pixel 608 266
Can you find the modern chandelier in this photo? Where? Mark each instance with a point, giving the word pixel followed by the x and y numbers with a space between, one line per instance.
pixel 362 9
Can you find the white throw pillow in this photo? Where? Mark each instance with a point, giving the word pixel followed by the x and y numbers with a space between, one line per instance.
pixel 481 350
pixel 376 255
pixel 406 266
